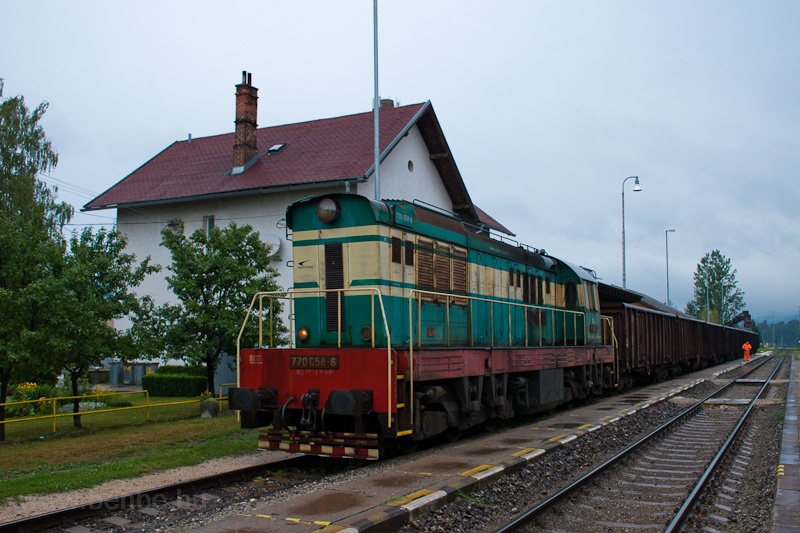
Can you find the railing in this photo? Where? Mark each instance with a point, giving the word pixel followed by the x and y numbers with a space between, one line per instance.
pixel 290 295
pixel 421 296
pixel 66 400
pixel 416 296
pixel 609 337
pixel 221 398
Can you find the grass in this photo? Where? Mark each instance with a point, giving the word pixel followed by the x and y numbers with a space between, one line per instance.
pixel 115 446
pixel 90 420
pixel 469 498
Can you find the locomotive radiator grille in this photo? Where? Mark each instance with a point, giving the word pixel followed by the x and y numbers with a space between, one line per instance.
pixel 334 279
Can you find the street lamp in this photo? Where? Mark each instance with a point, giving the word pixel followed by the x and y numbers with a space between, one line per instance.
pixel 636 188
pixel 666 239
pixel 773 329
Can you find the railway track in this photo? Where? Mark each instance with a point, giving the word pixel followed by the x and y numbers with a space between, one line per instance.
pixel 656 482
pixel 159 508
pixel 189 504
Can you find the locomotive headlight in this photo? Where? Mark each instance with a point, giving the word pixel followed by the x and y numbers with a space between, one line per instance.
pixel 302 334
pixel 366 333
pixel 327 210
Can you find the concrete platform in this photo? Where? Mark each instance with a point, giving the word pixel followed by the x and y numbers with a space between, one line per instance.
pixel 390 498
pixel 786 513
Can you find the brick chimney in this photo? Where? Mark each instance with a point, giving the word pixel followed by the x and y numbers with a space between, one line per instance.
pixel 245 151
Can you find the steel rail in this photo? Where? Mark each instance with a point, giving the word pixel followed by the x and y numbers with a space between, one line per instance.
pixel 135 499
pixel 694 496
pixel 557 497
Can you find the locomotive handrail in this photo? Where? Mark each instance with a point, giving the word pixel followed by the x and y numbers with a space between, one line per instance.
pixel 417 295
pixel 290 295
pixel 614 342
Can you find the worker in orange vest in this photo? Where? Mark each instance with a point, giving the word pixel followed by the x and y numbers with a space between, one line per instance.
pixel 746 347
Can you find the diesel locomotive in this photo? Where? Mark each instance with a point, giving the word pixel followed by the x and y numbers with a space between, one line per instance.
pixel 407 323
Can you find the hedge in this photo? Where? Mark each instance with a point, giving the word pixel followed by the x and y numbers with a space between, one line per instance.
pixel 182 370
pixel 174 385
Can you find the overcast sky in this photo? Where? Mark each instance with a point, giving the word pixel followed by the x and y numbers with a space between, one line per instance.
pixel 547 108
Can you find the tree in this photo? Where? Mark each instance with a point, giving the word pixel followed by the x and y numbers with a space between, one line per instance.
pixel 215 275
pixel 716 296
pixel 784 334
pixel 31 243
pixel 94 288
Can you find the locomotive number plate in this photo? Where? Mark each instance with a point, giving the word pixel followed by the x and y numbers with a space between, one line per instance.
pixel 314 362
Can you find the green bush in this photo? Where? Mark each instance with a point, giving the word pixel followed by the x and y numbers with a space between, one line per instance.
pixel 174 384
pixel 36 394
pixel 114 403
pixel 182 370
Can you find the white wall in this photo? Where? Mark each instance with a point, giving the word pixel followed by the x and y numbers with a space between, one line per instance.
pixel 266 213
pixel 400 183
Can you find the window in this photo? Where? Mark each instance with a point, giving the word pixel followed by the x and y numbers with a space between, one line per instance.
pixel 571 295
pixel 208 223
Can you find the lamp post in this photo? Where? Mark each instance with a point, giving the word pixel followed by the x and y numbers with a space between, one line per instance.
pixel 636 188
pixel 666 240
pixel 773 329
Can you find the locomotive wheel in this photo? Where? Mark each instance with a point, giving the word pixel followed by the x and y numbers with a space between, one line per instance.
pixel 453 434
pixel 407 446
pixel 490 424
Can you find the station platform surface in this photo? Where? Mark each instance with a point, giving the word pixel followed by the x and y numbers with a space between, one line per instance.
pixel 786 512
pixel 392 496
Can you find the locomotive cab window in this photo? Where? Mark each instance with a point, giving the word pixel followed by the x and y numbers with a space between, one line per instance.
pixel 571 295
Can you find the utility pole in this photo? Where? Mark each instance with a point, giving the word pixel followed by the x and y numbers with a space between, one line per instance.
pixel 773 330
pixel 376 107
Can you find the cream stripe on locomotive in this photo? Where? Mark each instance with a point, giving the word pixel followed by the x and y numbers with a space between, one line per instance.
pixel 432 265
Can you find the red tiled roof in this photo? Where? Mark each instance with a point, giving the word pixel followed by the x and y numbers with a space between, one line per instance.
pixel 315 152
pixel 318 151
pixel 491 222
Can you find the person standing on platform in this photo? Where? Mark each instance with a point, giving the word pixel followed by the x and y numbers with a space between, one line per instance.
pixel 746 347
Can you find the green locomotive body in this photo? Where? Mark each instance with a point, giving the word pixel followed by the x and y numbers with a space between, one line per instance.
pixel 408 323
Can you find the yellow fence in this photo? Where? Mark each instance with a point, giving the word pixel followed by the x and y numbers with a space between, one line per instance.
pixel 54 402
